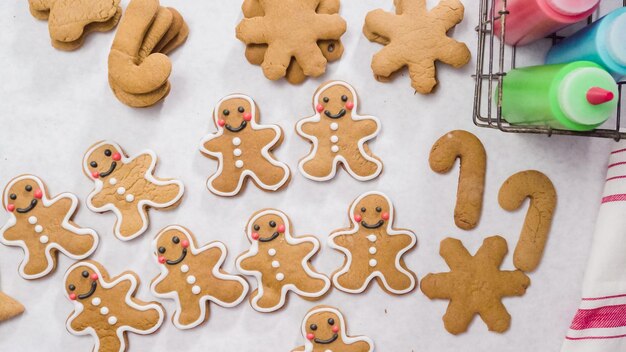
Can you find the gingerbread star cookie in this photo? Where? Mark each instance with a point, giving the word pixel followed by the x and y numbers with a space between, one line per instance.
pixel 291 29
pixel 325 330
pixel 416 37
pixel 373 248
pixel 280 262
pixel 106 308
pixel 475 285
pixel 243 148
pixel 338 136
pixel 127 187
pixel 193 276
pixel 42 226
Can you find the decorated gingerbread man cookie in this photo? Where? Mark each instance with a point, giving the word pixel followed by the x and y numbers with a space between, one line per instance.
pixel 243 148
pixel 325 331
pixel 42 226
pixel 280 262
pixel 127 187
pixel 193 276
pixel 373 248
pixel 106 308
pixel 338 135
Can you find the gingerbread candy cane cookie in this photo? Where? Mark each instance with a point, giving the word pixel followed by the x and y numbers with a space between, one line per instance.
pixel 279 262
pixel 532 240
pixel 193 276
pixel 243 148
pixel 106 308
pixel 42 226
pixel 338 136
pixel 473 159
pixel 373 248
pixel 127 187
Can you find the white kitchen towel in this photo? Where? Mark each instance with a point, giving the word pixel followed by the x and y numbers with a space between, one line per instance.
pixel 600 323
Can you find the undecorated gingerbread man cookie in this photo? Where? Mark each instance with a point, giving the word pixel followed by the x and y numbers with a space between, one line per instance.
pixel 106 308
pixel 42 226
pixel 373 248
pixel 325 330
pixel 280 262
pixel 127 187
pixel 193 276
pixel 243 148
pixel 338 136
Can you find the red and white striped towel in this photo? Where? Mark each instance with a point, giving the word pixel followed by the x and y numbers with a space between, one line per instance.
pixel 600 323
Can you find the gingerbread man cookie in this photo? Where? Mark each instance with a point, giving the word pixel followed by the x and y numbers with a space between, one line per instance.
pixel 193 276
pixel 106 308
pixel 127 187
pixel 325 330
pixel 373 248
pixel 42 226
pixel 280 262
pixel 338 136
pixel 243 148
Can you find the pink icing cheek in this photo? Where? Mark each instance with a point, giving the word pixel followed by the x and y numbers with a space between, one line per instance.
pixel 184 243
pixel 319 107
pixel 161 259
pixel 384 216
pixel 38 194
pixel 255 236
pixel 94 276
pixel 95 174
pixel 221 122
pixel 281 228
pixel 116 156
pixel 310 336
pixel 247 116
pixel 72 296
pixel 349 105
pixel 335 329
pixel 358 218
pixel 11 207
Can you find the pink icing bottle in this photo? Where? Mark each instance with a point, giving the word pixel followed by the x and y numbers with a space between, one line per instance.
pixel 530 20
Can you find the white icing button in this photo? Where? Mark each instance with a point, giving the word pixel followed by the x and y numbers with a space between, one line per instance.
pixel 237 152
pixel 130 198
pixel 32 220
pixel 112 181
pixel 334 126
pixel 191 279
pixel 184 268
pixel 280 276
pixel 328 351
pixel 334 139
pixel 112 320
pixel 373 262
pixel 334 149
pixel 239 163
pixel 372 250
pixel 275 264
pixel 372 238
pixel 38 228
pixel 104 310
pixel 271 252
pixel 44 239
pixel 121 190
pixel 236 141
pixel 96 301
pixel 195 290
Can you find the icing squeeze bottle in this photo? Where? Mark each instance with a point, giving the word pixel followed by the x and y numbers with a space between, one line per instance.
pixel 530 20
pixel 602 42
pixel 578 96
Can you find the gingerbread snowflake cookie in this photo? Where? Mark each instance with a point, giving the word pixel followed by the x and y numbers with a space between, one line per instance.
pixel 373 248
pixel 42 226
pixel 338 136
pixel 127 187
pixel 416 37
pixel 243 148
pixel 325 330
pixel 193 276
pixel 280 262
pixel 106 308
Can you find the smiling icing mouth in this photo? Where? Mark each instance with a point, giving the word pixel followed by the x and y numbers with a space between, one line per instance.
pixel 340 114
pixel 180 259
pixel 94 286
pixel 30 207
pixel 375 226
pixel 267 239
pixel 110 170
pixel 237 129
pixel 326 342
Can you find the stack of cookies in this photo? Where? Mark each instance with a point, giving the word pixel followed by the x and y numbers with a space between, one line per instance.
pixel 138 66
pixel 69 21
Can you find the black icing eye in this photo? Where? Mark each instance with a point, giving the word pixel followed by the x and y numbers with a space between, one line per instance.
pixel 326 100
pixel 161 250
pixel 272 223
pixel 28 188
pixel 13 196
pixel 175 239
pixel 379 209
pixel 71 287
pixel 107 152
pixel 241 109
pixel 344 98
pixel 257 227
pixel 331 47
pixel 85 273
pixel 226 112
pixel 331 321
pixel 363 209
pixel 93 164
pixel 313 327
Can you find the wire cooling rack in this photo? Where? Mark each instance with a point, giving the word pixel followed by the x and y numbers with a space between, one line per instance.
pixel 494 56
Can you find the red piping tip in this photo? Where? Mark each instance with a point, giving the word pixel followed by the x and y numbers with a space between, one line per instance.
pixel 597 96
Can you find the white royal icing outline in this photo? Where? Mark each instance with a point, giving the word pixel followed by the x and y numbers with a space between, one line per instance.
pixel 265 151
pixel 215 271
pixel 78 308
pixel 140 204
pixel 375 274
pixel 308 345
pixel 51 245
pixel 338 159
pixel 254 250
